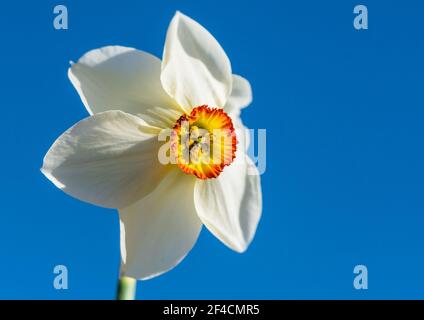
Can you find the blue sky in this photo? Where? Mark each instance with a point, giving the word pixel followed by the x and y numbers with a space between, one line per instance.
pixel 344 183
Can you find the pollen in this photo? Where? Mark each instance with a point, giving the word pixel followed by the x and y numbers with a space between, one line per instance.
pixel 204 142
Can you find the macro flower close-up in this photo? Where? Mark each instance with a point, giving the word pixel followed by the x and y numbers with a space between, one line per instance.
pixel 164 144
pixel 211 159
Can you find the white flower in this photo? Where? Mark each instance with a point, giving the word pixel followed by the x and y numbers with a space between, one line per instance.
pixel 110 159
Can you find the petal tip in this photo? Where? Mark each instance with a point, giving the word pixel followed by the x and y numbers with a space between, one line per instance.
pixel 47 173
pixel 239 248
pixel 179 14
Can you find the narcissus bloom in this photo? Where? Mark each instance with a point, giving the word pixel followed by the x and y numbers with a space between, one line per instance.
pixel 114 157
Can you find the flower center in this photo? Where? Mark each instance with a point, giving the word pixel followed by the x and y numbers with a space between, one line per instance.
pixel 204 142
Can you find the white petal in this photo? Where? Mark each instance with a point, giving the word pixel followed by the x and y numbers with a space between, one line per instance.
pixel 195 69
pixel 230 206
pixel 159 230
pixel 109 159
pixel 242 133
pixel 119 78
pixel 241 95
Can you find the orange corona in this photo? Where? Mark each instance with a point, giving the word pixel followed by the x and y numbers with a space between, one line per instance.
pixel 204 142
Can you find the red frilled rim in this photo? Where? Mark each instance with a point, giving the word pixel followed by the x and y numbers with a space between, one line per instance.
pixel 222 142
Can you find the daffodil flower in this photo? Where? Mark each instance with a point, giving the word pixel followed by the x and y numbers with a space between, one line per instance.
pixel 112 158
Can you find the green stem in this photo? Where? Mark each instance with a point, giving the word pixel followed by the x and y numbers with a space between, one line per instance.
pixel 126 288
